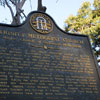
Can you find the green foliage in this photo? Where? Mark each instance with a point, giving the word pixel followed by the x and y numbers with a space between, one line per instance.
pixel 87 21
pixel 96 4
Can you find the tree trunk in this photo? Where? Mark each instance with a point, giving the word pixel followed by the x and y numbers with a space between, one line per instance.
pixel 18 5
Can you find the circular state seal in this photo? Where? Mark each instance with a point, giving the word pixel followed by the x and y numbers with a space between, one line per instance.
pixel 41 23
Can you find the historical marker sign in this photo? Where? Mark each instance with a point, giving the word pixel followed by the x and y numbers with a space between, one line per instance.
pixel 38 61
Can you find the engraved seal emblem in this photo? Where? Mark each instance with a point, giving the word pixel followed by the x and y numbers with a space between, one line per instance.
pixel 41 23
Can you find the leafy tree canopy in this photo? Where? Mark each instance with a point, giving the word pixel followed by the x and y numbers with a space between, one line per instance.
pixel 87 21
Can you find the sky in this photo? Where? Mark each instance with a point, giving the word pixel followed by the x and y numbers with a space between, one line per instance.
pixel 59 11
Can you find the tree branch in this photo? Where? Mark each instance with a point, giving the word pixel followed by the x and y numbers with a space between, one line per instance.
pixel 22 11
pixel 12 2
pixel 22 3
pixel 12 14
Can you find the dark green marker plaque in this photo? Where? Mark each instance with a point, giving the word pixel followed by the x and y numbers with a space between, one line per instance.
pixel 39 61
